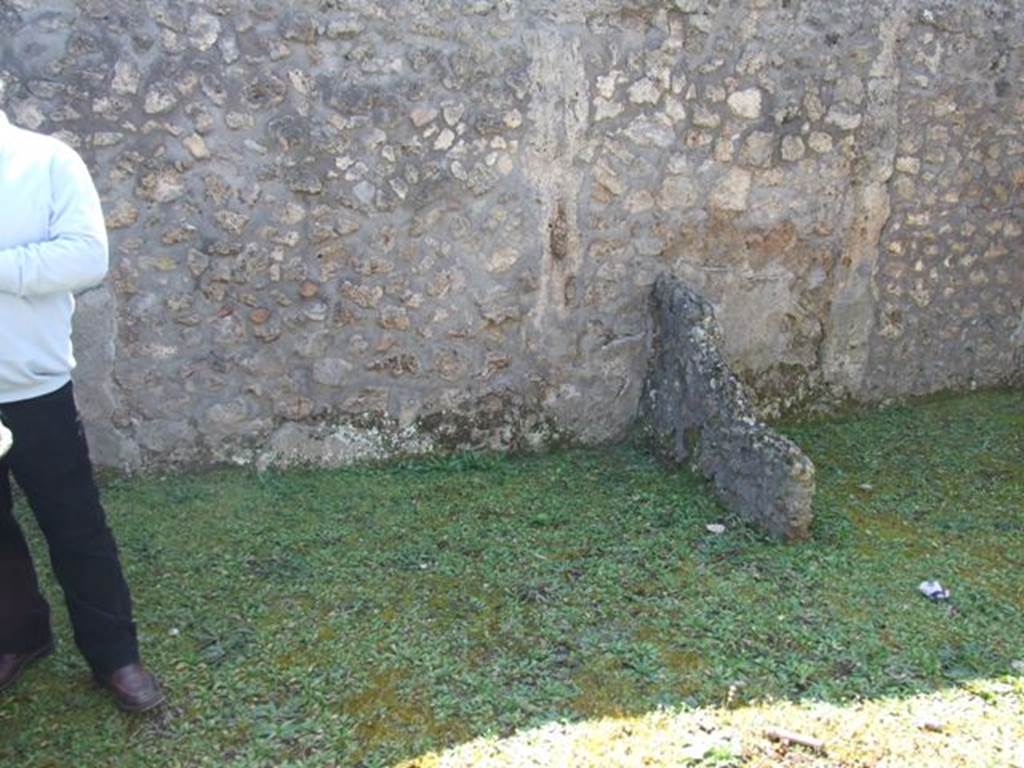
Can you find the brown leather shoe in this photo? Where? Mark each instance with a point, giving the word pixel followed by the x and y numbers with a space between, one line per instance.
pixel 12 665
pixel 134 688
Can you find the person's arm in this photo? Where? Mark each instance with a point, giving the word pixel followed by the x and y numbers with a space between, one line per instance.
pixel 75 256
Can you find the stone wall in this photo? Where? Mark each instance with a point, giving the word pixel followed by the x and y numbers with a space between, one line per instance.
pixel 345 229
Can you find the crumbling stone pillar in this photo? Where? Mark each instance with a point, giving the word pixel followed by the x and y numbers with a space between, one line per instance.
pixel 696 412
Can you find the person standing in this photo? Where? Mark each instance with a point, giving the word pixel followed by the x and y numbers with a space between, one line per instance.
pixel 53 242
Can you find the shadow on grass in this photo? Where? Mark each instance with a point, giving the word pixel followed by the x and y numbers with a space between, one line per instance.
pixel 371 615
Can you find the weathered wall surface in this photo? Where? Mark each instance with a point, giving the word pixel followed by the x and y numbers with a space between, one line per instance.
pixel 342 229
pixel 950 275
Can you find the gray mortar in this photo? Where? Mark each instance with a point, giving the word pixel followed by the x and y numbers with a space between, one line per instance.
pixel 696 412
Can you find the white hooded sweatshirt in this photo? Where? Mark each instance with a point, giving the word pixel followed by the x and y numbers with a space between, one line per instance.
pixel 52 242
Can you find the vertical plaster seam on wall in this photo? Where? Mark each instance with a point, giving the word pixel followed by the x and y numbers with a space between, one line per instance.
pixel 1017 342
pixel 98 396
pixel 130 453
pixel 559 112
pixel 852 315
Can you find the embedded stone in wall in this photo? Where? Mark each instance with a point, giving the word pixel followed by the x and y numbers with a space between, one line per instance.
pixel 696 412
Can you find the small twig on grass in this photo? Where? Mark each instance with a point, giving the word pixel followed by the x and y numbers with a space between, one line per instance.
pixel 778 734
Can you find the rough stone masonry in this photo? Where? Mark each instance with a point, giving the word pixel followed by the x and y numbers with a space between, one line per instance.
pixel 695 412
pixel 349 229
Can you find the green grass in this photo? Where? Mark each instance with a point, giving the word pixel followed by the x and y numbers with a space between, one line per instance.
pixel 370 615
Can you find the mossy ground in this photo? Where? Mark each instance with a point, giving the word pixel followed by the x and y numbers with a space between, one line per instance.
pixel 569 609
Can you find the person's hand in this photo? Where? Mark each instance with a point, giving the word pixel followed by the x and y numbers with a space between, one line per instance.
pixel 6 440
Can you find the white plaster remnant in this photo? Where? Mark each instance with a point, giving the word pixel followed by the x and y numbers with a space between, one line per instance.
pixel 843 120
pixel 746 104
pixel 445 139
pixel 732 191
pixel 820 142
pixel 126 78
pixel 644 91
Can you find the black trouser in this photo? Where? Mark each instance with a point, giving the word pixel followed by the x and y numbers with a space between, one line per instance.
pixel 50 462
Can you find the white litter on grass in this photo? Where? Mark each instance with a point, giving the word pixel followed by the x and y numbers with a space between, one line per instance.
pixel 933 590
pixel 715 528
